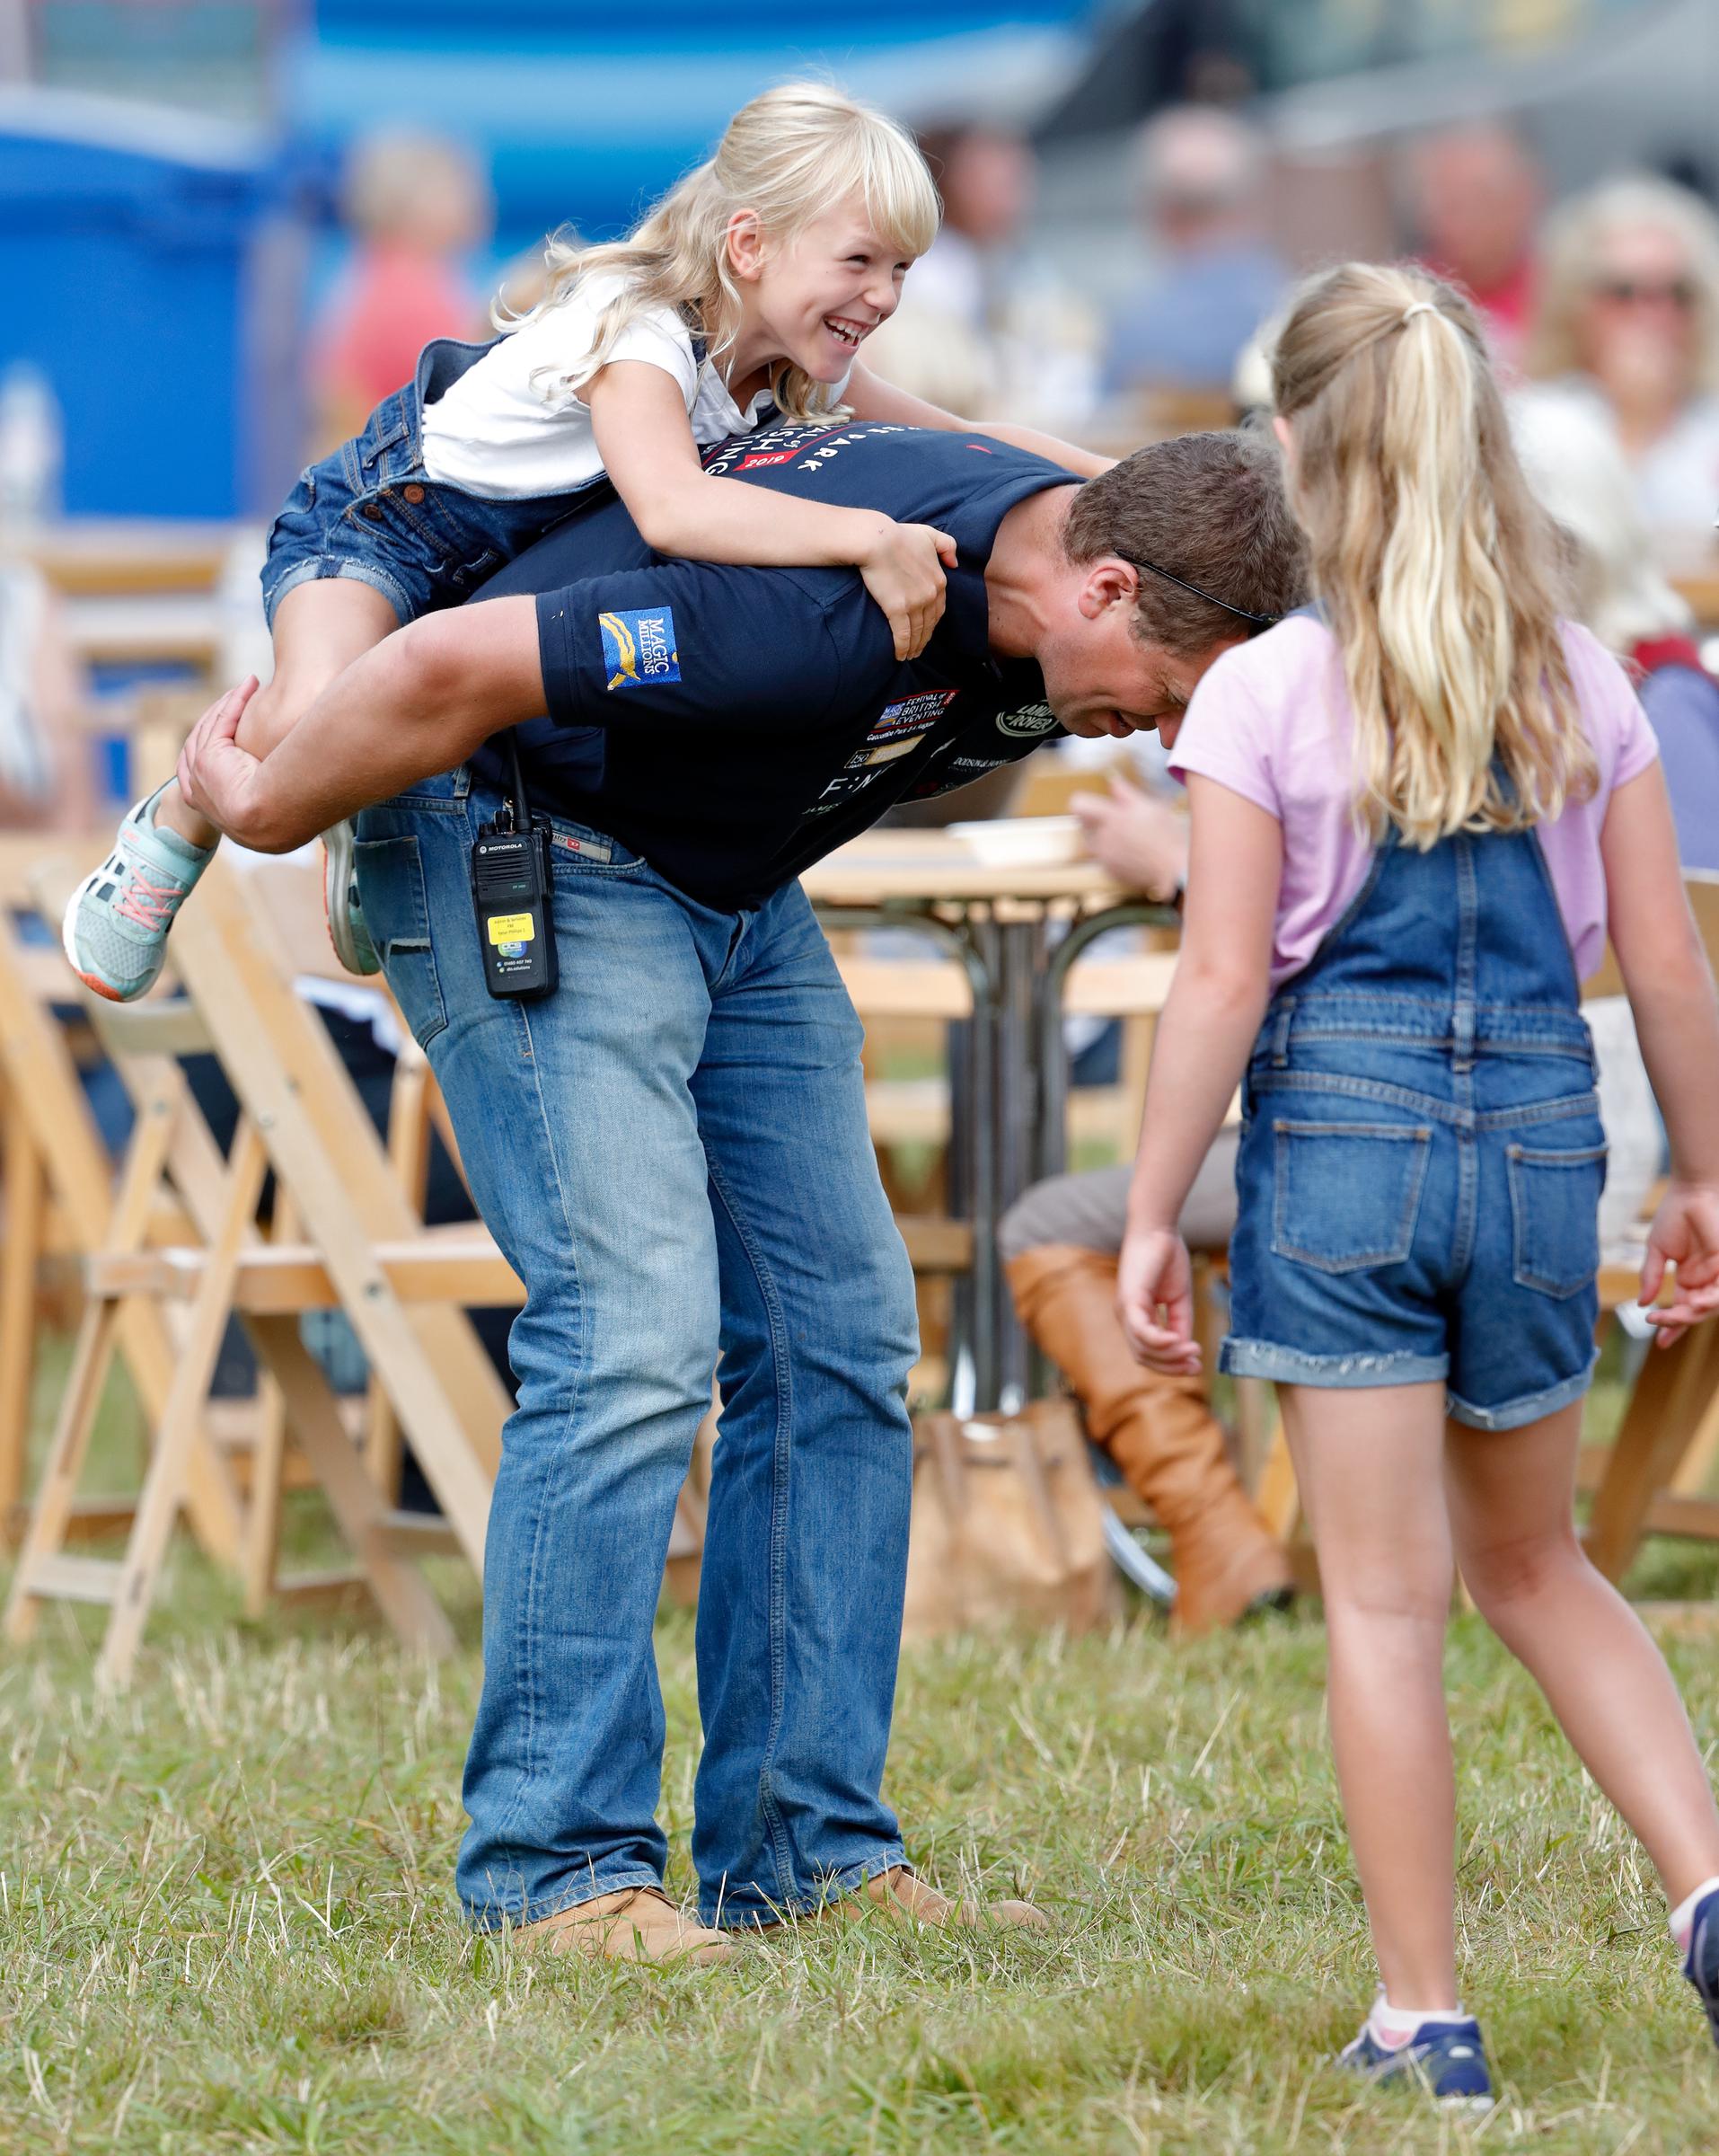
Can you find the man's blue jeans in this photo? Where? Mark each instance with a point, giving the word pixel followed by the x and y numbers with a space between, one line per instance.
pixel 672 1150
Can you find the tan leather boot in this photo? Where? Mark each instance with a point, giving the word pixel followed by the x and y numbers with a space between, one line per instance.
pixel 1160 1432
pixel 636 1923
pixel 902 1895
pixel 905 1896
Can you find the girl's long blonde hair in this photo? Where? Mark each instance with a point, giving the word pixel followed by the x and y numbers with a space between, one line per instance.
pixel 1437 567
pixel 790 156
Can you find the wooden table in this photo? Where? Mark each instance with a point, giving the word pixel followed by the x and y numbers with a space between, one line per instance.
pixel 1016 931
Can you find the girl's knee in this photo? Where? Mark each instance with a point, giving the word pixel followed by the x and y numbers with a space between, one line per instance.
pixel 1520 1569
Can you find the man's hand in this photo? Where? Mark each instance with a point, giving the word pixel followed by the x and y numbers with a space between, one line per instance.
pixel 216 777
pixel 1142 841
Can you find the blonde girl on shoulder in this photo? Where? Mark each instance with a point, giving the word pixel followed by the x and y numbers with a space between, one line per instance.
pixel 1417 811
pixel 749 292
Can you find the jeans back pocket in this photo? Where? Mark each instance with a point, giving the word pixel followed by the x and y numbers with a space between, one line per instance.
pixel 1555 1215
pixel 1346 1196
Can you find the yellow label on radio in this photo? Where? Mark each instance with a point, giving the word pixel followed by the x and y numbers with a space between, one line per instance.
pixel 512 928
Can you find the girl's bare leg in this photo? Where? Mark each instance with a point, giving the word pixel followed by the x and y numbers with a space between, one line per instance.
pixel 1511 1496
pixel 1370 1467
pixel 320 629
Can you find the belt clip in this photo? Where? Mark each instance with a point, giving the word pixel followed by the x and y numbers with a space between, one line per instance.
pixel 1281 1034
pixel 1463 1031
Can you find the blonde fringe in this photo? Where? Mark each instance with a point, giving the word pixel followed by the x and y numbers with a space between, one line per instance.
pixel 1437 567
pixel 791 155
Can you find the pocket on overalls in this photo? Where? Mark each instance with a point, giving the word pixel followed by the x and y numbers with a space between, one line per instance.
pixel 1346 1196
pixel 396 912
pixel 1554 1216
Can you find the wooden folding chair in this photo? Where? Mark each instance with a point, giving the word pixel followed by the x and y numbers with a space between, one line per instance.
pixel 61 1193
pixel 363 1249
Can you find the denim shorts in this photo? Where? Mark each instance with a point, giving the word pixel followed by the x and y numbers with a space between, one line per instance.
pixel 371 511
pixel 1398 1225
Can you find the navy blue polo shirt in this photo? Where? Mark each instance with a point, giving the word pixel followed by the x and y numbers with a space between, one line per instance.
pixel 734 725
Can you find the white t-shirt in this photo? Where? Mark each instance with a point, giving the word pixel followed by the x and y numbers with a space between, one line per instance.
pixel 498 434
pixel 1677 477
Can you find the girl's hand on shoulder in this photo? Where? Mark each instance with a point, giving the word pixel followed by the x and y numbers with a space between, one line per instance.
pixel 1685 1234
pixel 904 572
pixel 1155 1301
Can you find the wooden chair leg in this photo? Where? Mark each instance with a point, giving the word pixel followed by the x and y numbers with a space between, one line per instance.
pixel 26 1196
pixel 57 1490
pixel 402 1592
pixel 164 1486
pixel 1665 1411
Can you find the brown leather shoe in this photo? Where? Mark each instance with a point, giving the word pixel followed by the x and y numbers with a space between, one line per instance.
pixel 637 1924
pixel 1161 1433
pixel 902 1895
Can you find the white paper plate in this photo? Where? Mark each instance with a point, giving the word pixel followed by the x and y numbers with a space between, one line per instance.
pixel 1021 841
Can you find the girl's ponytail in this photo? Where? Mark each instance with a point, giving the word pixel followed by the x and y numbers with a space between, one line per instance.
pixel 1435 565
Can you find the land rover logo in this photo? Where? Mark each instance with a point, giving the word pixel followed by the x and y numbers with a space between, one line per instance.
pixel 1031 719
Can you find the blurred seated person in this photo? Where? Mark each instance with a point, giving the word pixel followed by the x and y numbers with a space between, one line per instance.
pixel 1626 326
pixel 1477 199
pixel 1573 462
pixel 1060 1242
pixel 1200 175
pixel 417 206
pixel 985 326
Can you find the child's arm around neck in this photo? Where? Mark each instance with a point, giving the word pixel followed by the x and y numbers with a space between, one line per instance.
pixel 646 443
pixel 870 397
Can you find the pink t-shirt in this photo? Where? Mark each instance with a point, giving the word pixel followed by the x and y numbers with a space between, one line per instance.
pixel 1272 721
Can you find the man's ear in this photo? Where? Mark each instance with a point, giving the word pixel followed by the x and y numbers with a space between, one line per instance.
pixel 745 242
pixel 1107 583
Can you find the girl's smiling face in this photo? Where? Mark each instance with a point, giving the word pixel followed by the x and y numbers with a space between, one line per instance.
pixel 814 298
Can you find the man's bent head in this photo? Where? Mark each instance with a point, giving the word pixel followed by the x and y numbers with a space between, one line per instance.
pixel 1180 551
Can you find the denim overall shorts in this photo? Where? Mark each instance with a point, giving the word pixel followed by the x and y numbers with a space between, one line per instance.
pixel 371 511
pixel 1422 1155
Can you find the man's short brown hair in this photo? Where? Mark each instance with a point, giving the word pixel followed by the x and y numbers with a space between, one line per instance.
pixel 1209 509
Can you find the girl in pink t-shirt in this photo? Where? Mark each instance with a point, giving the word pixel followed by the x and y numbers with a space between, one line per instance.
pixel 1414 814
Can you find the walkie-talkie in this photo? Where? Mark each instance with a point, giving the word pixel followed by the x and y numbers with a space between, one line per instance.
pixel 512 884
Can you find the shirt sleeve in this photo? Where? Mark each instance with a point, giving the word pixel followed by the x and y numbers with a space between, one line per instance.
pixel 1224 738
pixel 568 332
pixel 1609 707
pixel 685 641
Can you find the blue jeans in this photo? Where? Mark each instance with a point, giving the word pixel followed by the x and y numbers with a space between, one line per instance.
pixel 369 509
pixel 673 1152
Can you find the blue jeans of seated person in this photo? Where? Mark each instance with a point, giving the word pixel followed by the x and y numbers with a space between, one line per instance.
pixel 673 1152
pixel 1422 1156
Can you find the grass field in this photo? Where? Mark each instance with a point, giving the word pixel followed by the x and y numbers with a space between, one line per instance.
pixel 225 1921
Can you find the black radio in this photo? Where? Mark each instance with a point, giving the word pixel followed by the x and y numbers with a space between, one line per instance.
pixel 512 892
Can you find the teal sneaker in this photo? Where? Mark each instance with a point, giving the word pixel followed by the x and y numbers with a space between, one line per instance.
pixel 347 931
pixel 116 924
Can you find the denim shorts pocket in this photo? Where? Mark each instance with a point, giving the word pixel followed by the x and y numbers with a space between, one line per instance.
pixel 1554 1216
pixel 1344 1195
pixel 396 912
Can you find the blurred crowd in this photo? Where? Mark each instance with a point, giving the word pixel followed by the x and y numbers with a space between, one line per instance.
pixel 1603 307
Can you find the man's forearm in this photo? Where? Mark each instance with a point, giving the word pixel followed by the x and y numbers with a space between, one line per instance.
pixel 420 702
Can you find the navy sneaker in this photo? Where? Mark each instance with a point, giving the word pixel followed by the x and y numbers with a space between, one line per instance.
pixel 1702 1965
pixel 1447 2056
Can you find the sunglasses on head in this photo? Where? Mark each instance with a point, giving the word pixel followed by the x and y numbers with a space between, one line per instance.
pixel 1256 621
pixel 1632 291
